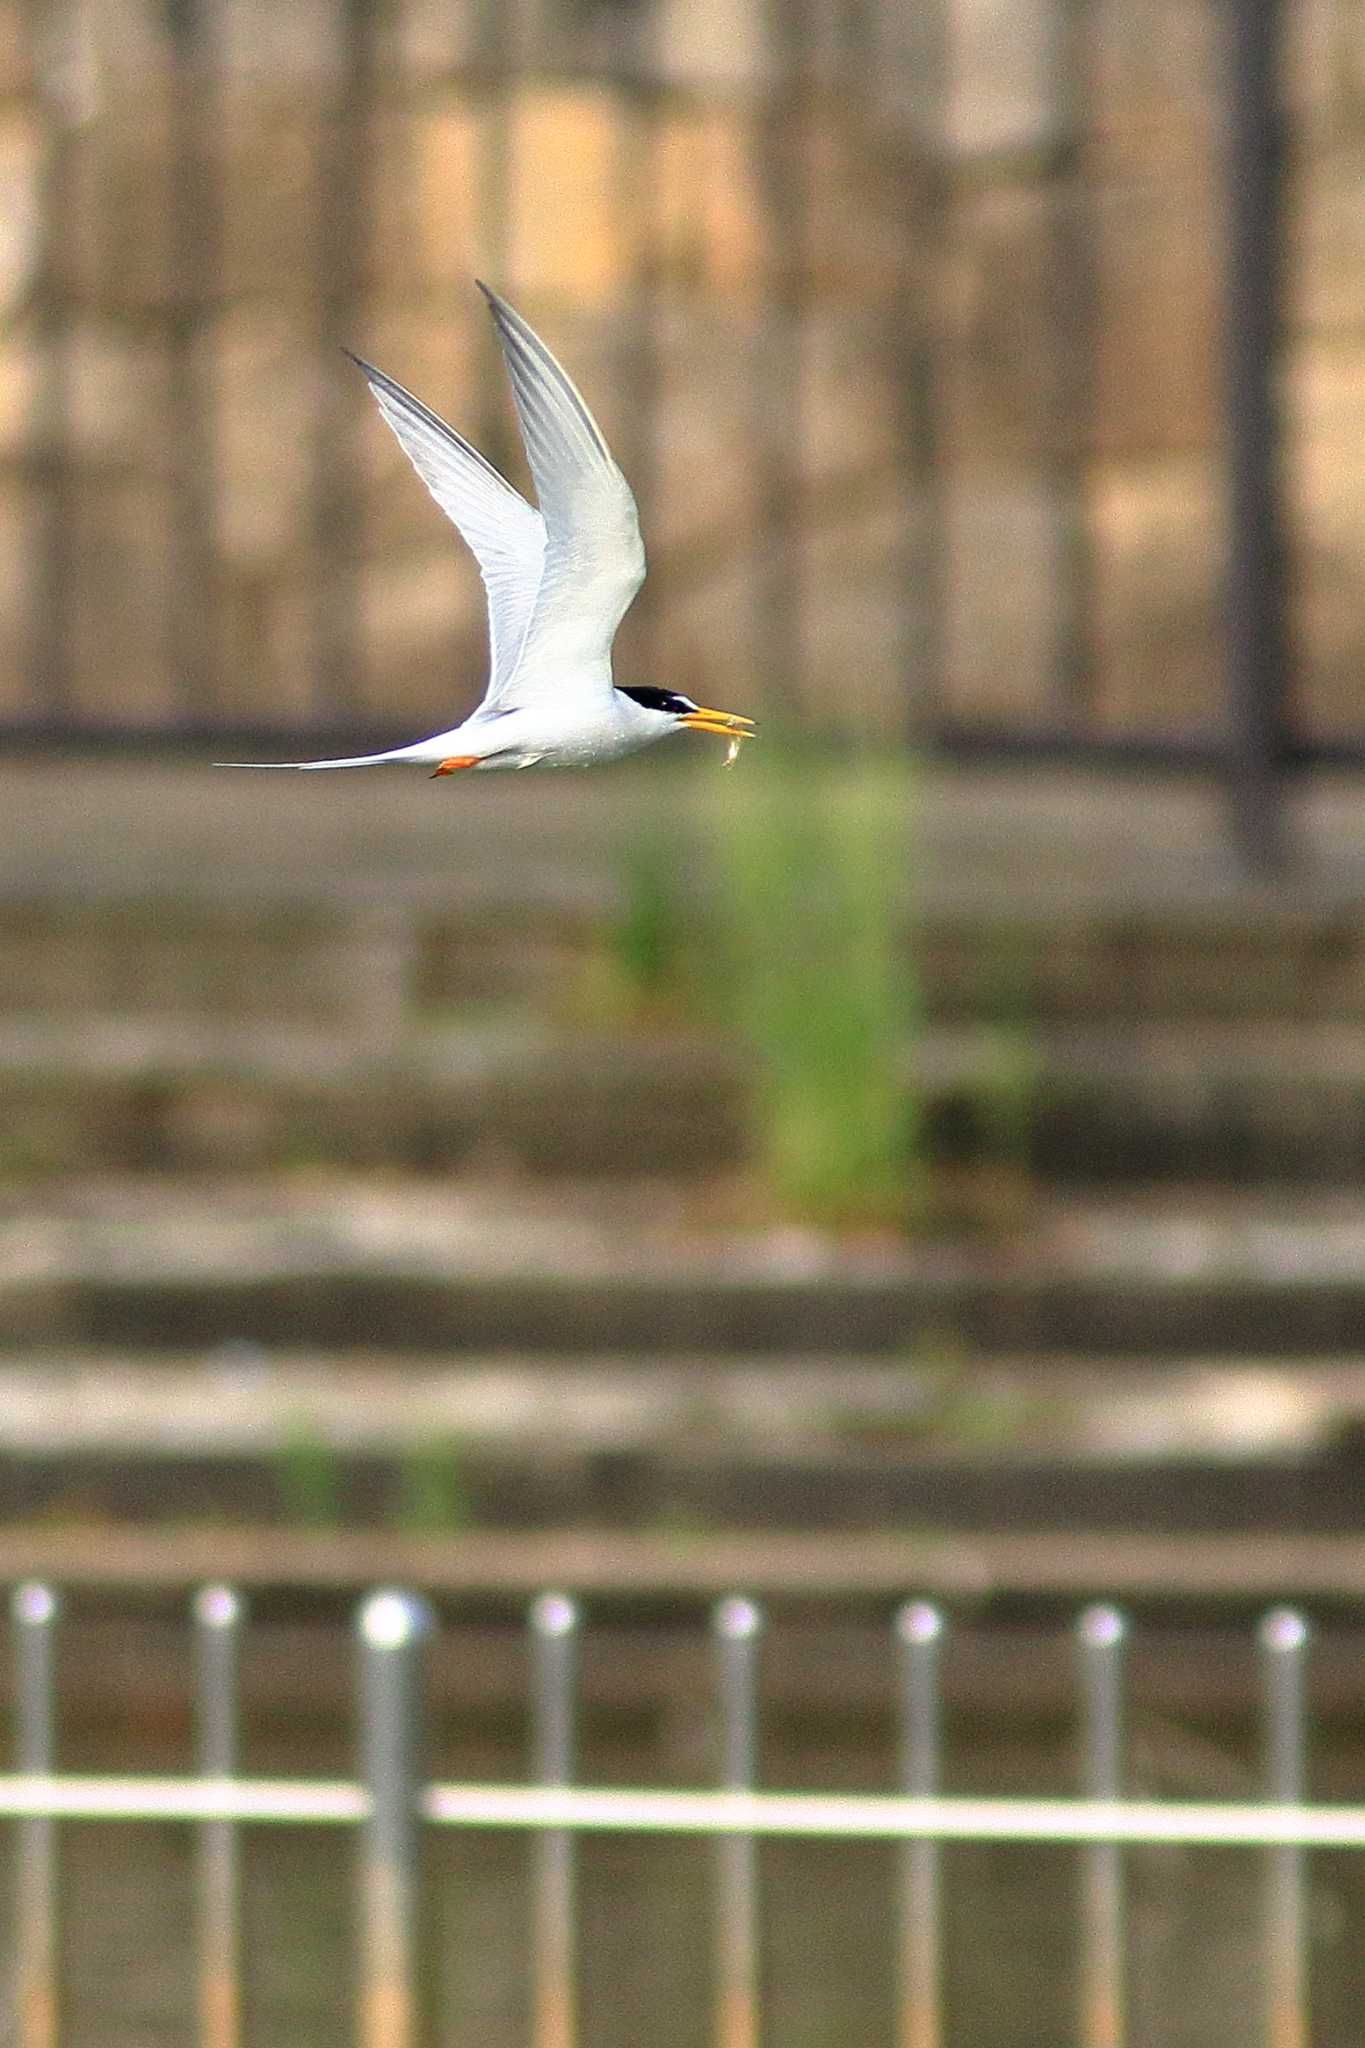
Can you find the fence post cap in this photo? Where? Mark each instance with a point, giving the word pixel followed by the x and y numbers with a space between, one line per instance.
pixel 217 1607
pixel 1101 1627
pixel 554 1614
pixel 33 1603
pixel 1283 1629
pixel 737 1620
pixel 391 1618
pixel 919 1621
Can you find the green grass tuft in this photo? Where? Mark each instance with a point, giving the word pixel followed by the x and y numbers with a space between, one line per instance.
pixel 433 1493
pixel 308 1478
pixel 813 859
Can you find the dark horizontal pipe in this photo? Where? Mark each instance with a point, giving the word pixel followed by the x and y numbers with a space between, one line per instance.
pixel 1196 753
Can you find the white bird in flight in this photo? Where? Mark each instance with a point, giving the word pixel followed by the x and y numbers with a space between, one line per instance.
pixel 558 578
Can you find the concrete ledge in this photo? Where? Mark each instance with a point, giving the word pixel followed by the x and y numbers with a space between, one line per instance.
pixel 689 1444
pixel 477 1267
pixel 361 900
pixel 1201 1101
pixel 1068 1566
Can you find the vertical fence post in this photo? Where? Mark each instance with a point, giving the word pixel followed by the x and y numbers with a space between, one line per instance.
pixel 194 202
pixel 218 1617
pixel 49 573
pixel 1257 635
pixel 34 1611
pixel 1284 1645
pixel 1100 1637
pixel 554 1625
pixel 393 1627
pixel 737 1625
pixel 1072 372
pixel 919 1636
pixel 344 192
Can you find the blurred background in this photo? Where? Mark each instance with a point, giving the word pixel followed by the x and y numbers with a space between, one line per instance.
pixel 925 1159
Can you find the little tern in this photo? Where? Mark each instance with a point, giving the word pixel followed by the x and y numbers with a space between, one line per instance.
pixel 558 577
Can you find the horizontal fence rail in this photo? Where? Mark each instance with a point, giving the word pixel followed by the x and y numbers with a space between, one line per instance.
pixel 814 1816
pixel 391 1802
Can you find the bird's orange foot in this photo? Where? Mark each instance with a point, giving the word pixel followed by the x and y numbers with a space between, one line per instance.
pixel 455 761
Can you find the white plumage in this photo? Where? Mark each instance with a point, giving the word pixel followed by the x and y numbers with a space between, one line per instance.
pixel 558 579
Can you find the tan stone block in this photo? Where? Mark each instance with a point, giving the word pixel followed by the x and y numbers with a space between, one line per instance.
pixel 121 600
pixel 270 640
pixel 436 39
pixel 96 393
pixel 21 380
pixel 1132 322
pixel 706 637
pixel 1155 324
pixel 1327 252
pixel 1001 80
pixel 1323 73
pixel 265 373
pixel 90 51
pixel 19 509
pixel 386 245
pixel 19 56
pixel 22 148
pixel 423 622
pixel 115 389
pixel 853 575
pixel 449 139
pixel 1001 537
pixel 1325 408
pixel 269 145
pixel 707 386
pixel 852 228
pixel 707 232
pixel 114 245
pixel 1151 92
pixel 1158 555
pixel 997 326
pixel 710 43
pixel 566 233
pixel 261 44
pixel 849 394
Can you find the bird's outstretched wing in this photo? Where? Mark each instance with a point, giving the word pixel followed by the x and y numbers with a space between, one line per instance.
pixel 594 558
pixel 505 535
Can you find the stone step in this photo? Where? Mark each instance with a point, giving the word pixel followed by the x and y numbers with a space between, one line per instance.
pixel 300 1486
pixel 243 1433
pixel 662 1570
pixel 360 900
pixel 175 1094
pixel 242 1400
pixel 468 1267
pixel 364 964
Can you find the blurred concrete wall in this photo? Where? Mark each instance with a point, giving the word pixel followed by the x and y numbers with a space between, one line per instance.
pixel 904 321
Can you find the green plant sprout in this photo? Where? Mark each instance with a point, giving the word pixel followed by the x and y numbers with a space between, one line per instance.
pixel 813 859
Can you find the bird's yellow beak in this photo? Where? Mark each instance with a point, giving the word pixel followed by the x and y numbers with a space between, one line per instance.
pixel 730 724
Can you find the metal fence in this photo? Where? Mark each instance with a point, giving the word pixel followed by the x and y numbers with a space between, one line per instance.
pixel 390 1805
pixel 197 537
